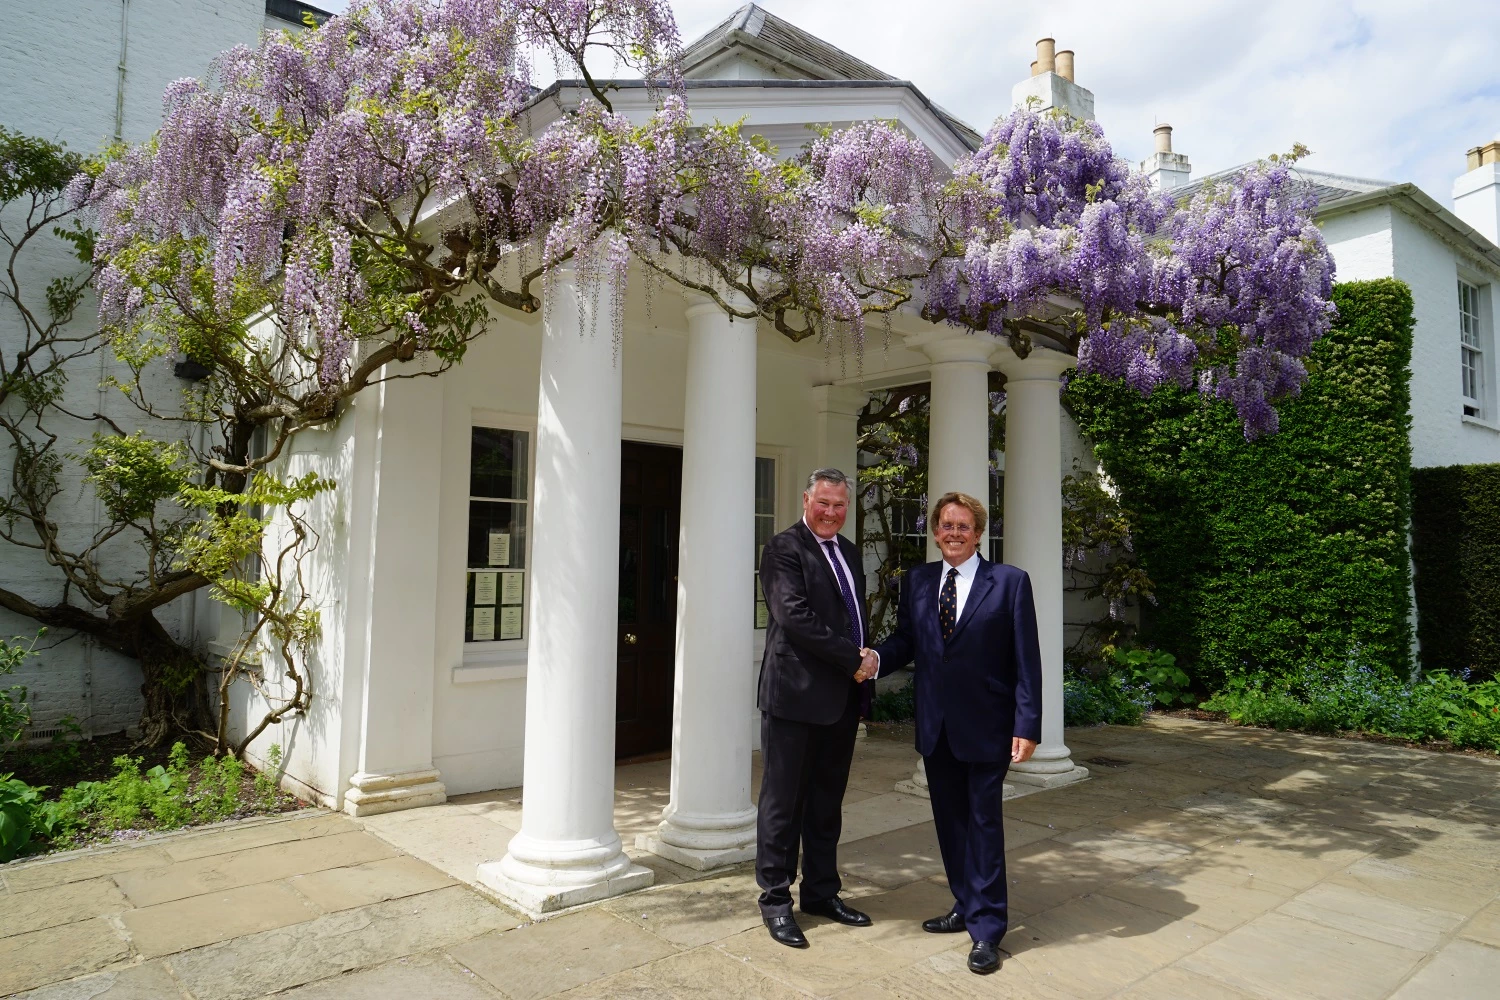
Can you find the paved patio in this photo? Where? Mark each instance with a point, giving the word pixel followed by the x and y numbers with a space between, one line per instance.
pixel 1200 861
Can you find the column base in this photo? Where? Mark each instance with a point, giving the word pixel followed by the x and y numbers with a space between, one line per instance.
pixel 698 859
pixel 1047 779
pixel 372 794
pixel 539 900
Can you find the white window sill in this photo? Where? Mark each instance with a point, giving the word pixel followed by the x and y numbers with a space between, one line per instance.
pixel 491 661
pixel 1481 422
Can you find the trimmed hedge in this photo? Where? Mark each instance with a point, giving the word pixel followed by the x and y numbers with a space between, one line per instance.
pixel 1456 548
pixel 1272 555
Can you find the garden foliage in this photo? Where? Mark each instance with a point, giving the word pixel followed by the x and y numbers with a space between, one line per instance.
pixel 164 797
pixel 1286 552
pixel 1356 697
pixel 1456 549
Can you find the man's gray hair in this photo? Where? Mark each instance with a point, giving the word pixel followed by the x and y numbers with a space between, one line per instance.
pixel 834 476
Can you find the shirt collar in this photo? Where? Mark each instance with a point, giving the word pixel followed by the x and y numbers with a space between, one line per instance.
pixel 819 539
pixel 967 568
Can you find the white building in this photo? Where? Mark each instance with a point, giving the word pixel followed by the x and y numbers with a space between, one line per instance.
pixel 1451 262
pixel 87 73
pixel 544 560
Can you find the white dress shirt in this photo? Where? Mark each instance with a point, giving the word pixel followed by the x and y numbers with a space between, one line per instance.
pixel 961 583
pixel 838 553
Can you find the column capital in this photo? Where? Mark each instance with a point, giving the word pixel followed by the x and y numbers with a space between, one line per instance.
pixel 946 344
pixel 1042 364
pixel 845 399
pixel 700 305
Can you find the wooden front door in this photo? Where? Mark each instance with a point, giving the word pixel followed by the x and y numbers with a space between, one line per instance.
pixel 650 507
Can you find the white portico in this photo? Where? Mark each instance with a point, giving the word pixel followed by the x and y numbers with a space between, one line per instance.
pixel 546 562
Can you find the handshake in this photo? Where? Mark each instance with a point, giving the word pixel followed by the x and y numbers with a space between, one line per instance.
pixel 869 665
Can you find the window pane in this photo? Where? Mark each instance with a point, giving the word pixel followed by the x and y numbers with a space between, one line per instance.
pixel 765 525
pixel 497 535
pixel 765 486
pixel 497 464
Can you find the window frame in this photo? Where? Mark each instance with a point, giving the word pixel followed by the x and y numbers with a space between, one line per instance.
pixel 487 650
pixel 778 465
pixel 1472 344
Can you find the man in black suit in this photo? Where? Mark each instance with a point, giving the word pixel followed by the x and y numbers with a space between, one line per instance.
pixel 970 624
pixel 814 662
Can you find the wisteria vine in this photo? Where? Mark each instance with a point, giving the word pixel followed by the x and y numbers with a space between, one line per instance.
pixel 354 184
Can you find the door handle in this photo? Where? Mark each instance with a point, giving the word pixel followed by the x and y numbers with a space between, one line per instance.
pixel 630 638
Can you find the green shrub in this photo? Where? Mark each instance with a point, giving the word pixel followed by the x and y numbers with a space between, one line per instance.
pixel 18 801
pixel 1284 552
pixel 1356 697
pixel 899 705
pixel 1105 698
pixel 1456 548
pixel 1156 671
pixel 164 797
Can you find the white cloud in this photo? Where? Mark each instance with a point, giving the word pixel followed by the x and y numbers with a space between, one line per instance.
pixel 1376 88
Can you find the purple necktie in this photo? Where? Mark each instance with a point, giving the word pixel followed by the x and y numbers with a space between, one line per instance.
pixel 847 591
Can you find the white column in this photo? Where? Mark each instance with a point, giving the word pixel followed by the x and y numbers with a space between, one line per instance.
pixel 710 820
pixel 1033 537
pixel 958 436
pixel 837 408
pixel 568 851
pixel 395 642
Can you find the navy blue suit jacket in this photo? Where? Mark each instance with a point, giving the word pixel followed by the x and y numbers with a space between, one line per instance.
pixel 985 683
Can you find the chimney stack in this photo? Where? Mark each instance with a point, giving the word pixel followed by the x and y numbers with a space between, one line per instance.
pixel 1046 56
pixel 1051 84
pixel 1476 194
pixel 1065 64
pixel 1165 169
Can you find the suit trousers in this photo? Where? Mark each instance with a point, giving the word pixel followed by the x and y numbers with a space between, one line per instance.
pixel 805 772
pixel 966 802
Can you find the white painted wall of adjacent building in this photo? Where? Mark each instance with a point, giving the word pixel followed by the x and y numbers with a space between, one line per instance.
pixel 60 79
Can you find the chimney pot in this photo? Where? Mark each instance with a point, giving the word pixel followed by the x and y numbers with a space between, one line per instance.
pixel 1473 155
pixel 1035 71
pixel 1163 134
pixel 1490 153
pixel 1065 64
pixel 1046 55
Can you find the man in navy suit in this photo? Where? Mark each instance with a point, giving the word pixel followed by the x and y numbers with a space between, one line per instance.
pixel 970 624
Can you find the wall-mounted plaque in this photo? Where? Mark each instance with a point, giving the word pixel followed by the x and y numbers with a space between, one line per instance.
pixel 510 623
pixel 512 588
pixel 484 587
pixel 484 624
pixel 499 548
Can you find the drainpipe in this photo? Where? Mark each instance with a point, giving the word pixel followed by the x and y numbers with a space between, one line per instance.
pixel 120 84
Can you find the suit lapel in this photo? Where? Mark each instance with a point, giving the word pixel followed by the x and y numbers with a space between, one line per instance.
pixel 978 590
pixel 924 601
pixel 812 542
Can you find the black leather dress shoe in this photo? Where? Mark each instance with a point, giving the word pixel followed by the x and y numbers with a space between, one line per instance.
pixel 784 930
pixel 834 909
pixel 948 923
pixel 984 958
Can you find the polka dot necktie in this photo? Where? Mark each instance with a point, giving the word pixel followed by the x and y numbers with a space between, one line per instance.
pixel 948 604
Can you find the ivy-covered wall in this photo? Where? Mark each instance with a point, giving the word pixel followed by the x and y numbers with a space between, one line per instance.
pixel 1289 550
pixel 1456 548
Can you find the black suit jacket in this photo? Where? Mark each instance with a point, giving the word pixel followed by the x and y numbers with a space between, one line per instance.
pixel 985 683
pixel 809 664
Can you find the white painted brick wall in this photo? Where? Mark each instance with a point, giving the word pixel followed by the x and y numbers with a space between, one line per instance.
pixel 58 80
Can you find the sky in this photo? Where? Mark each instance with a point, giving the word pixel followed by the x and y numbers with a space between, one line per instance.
pixel 1384 89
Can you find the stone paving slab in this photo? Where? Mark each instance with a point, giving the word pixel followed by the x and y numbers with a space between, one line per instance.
pixel 1199 861
pixel 257 964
